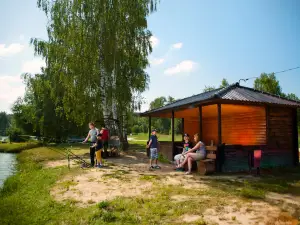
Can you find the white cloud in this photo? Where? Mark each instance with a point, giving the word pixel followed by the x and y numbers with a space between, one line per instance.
pixel 185 66
pixel 157 61
pixel 10 49
pixel 33 66
pixel 154 41
pixel 11 88
pixel 177 45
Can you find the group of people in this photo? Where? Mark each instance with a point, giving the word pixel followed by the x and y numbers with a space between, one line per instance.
pixel 99 142
pixel 191 152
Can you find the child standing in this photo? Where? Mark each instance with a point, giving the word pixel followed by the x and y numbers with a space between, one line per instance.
pixel 93 135
pixel 98 148
pixel 153 144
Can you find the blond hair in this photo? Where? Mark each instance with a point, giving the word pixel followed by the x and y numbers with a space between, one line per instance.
pixel 196 136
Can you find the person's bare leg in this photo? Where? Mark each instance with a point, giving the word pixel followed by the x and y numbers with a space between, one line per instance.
pixel 185 160
pixel 190 160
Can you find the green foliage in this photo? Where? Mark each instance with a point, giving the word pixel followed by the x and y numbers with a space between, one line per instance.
pixel 18 147
pixel 136 129
pixel 224 83
pixel 96 57
pixel 268 83
pixel 208 88
pixel 4 123
pixel 103 204
pixel 14 134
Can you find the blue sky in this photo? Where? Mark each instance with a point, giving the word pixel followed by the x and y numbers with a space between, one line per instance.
pixel 196 43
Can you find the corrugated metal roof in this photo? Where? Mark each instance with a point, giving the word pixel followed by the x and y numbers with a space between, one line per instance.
pixel 185 101
pixel 233 92
pixel 239 93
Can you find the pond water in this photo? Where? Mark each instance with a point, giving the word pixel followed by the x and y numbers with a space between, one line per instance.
pixel 7 166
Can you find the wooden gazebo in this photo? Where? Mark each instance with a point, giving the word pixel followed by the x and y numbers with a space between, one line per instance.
pixel 242 118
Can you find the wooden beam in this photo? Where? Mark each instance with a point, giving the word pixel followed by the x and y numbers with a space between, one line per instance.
pixel 173 129
pixel 295 138
pixel 200 123
pixel 149 125
pixel 219 124
pixel 182 128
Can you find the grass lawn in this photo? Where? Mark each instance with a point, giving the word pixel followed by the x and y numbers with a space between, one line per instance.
pixel 26 199
pixel 161 137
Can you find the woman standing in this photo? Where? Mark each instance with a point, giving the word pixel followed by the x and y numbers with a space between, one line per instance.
pixel 198 152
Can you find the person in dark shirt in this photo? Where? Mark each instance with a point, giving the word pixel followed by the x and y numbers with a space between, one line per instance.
pixel 187 144
pixel 153 144
pixel 98 148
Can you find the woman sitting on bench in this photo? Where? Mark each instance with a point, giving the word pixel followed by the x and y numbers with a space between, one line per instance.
pixel 190 156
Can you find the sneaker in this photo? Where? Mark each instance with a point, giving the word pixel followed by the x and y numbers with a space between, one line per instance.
pixel 151 167
pixel 156 167
pixel 99 166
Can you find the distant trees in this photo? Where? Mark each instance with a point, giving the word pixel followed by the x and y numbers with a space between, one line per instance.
pixel 4 123
pixel 224 83
pixel 268 83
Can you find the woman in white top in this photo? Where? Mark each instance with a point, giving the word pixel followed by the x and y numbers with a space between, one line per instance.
pixel 198 152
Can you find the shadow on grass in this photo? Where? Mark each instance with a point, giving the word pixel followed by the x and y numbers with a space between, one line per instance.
pixel 282 181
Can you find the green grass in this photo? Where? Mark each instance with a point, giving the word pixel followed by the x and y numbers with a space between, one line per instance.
pixel 161 137
pixel 17 147
pixel 25 197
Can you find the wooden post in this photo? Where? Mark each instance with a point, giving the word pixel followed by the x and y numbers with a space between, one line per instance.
pixel 182 128
pixel 295 138
pixel 219 124
pixel 200 123
pixel 173 128
pixel 149 127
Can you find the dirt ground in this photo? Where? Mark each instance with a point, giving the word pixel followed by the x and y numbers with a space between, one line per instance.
pixel 129 176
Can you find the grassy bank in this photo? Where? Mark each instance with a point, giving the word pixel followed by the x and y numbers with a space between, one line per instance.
pixel 17 147
pixel 26 199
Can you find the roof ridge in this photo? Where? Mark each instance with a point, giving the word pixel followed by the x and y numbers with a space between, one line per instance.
pixel 267 93
pixel 183 99
pixel 225 89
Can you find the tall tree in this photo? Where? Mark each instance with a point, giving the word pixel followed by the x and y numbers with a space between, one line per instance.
pixel 97 52
pixel 268 83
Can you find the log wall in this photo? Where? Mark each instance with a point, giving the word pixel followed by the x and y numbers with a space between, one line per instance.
pixel 279 149
pixel 245 125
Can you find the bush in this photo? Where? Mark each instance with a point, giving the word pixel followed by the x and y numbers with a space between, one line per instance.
pixel 14 134
pixel 136 129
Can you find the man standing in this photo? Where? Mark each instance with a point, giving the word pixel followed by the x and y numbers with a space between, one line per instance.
pixel 105 138
pixel 93 132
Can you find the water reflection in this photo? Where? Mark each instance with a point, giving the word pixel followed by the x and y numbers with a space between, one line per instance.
pixel 7 165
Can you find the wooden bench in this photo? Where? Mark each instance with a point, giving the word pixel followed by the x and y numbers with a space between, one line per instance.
pixel 208 165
